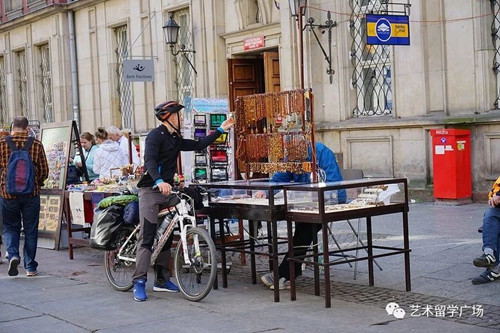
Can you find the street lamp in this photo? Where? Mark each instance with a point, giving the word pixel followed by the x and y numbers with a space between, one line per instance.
pixel 171 34
pixel 296 6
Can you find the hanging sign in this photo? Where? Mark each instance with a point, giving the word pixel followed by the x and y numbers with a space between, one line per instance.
pixel 138 70
pixel 253 43
pixel 387 29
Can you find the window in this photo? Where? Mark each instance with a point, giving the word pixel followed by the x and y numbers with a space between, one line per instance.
pixel 4 116
pixel 45 83
pixel 495 7
pixel 371 76
pixel 185 74
pixel 22 82
pixel 123 87
pixel 12 5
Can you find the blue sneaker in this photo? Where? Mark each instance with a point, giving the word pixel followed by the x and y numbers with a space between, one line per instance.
pixel 140 290
pixel 165 286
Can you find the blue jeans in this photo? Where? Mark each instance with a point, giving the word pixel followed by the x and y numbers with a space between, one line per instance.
pixel 27 210
pixel 491 230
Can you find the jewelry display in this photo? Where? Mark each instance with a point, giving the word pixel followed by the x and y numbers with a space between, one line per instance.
pixel 273 133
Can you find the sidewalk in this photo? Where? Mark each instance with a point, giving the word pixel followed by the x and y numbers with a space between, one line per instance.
pixel 74 295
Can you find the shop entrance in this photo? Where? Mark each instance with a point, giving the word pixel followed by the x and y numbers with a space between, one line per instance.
pixel 256 73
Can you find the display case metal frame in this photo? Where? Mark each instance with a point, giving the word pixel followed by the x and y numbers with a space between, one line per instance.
pixel 271 213
pixel 324 218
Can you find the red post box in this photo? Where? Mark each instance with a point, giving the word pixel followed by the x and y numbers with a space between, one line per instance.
pixel 452 163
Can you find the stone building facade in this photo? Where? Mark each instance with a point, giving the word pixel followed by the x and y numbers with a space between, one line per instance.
pixel 62 59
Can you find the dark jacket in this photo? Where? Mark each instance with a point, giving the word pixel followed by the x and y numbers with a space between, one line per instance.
pixel 162 149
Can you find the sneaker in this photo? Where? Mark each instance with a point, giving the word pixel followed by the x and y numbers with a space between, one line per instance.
pixel 34 273
pixel 140 290
pixel 282 284
pixel 267 279
pixel 486 260
pixel 486 277
pixel 166 286
pixel 13 263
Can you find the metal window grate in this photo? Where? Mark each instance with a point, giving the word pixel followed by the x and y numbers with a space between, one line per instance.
pixel 185 74
pixel 23 83
pixel 495 34
pixel 4 116
pixel 124 91
pixel 46 83
pixel 371 77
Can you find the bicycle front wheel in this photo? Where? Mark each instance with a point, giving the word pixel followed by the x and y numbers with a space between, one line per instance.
pixel 196 273
pixel 119 272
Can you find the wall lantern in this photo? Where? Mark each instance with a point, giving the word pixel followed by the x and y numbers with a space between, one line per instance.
pixel 171 34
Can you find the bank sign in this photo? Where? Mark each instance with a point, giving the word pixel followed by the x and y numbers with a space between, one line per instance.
pixel 138 70
pixel 387 30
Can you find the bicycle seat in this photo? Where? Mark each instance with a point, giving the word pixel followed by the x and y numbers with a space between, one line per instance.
pixel 169 205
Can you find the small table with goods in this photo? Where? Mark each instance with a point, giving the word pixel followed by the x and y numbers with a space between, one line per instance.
pixel 366 198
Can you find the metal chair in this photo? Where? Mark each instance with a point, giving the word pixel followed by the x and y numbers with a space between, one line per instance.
pixel 351 174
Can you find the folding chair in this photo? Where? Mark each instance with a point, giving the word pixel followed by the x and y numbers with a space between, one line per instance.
pixel 351 174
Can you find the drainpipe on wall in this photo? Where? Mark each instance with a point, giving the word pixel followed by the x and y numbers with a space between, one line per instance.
pixel 74 67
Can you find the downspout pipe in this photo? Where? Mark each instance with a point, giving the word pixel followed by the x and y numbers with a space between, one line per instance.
pixel 74 68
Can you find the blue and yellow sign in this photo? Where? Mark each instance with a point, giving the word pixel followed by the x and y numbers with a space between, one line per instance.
pixel 387 30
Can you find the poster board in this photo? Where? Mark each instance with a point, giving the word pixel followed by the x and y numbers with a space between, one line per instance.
pixel 56 139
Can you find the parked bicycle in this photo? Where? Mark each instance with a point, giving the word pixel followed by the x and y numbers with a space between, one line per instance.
pixel 195 261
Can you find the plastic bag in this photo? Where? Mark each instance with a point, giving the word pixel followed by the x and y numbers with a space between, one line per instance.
pixel 106 227
pixel 131 213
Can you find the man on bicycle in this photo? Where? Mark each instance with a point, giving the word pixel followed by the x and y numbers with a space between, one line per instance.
pixel 163 145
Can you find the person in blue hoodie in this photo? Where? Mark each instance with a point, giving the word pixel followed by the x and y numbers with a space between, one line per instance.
pixel 329 170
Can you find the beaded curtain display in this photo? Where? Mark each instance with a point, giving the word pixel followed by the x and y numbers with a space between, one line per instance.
pixel 274 131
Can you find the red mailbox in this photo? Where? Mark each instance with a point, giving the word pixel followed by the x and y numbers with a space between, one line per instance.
pixel 452 163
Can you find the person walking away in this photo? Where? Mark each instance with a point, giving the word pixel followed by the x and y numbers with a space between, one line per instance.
pixel 108 156
pixel 163 145
pixel 116 135
pixel 22 175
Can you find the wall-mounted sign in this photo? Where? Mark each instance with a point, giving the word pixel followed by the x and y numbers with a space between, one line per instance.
pixel 210 105
pixel 253 43
pixel 387 29
pixel 138 70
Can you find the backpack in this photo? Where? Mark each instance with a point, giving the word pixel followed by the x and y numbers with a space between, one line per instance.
pixel 20 179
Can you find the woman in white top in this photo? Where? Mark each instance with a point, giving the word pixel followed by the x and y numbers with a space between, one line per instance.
pixel 108 156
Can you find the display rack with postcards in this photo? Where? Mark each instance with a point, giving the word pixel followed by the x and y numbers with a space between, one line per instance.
pixel 275 132
pixel 212 163
pixel 56 139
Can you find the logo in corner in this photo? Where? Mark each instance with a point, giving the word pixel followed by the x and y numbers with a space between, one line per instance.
pixel 393 309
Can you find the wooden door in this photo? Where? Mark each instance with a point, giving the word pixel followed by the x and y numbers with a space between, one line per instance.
pixel 245 77
pixel 272 71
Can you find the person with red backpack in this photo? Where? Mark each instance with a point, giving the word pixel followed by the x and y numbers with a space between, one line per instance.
pixel 24 168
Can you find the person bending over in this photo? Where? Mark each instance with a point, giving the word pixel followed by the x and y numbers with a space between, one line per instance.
pixel 304 232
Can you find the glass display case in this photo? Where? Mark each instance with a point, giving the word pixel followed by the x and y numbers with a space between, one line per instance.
pixel 345 197
pixel 252 200
pixel 323 203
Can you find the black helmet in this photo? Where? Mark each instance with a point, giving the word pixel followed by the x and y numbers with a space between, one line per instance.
pixel 165 109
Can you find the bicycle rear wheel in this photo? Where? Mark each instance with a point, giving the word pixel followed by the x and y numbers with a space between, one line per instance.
pixel 196 278
pixel 119 272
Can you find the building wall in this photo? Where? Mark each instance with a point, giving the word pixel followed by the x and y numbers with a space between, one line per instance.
pixel 444 79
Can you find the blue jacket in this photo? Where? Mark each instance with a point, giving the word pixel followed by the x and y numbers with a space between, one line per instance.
pixel 325 159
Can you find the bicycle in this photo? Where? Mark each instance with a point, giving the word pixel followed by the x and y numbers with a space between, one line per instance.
pixel 195 261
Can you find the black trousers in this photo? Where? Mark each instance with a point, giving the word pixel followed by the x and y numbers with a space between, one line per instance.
pixel 302 239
